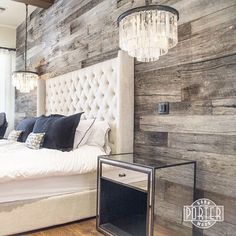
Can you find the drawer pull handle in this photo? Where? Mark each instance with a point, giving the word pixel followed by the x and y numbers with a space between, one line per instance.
pixel 122 175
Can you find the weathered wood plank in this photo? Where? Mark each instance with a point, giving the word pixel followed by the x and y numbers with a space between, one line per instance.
pixel 191 108
pixel 192 10
pixel 224 106
pixel 212 20
pixel 204 107
pixel 158 82
pixel 221 144
pixel 225 124
pixel 196 90
pixel 209 80
pixel 152 138
pixel 189 10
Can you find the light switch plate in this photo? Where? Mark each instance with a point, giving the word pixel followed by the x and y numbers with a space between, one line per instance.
pixel 163 108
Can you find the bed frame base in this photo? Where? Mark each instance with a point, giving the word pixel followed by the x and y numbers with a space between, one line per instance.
pixel 23 216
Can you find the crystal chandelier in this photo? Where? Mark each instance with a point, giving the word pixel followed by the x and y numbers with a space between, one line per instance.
pixel 148 32
pixel 25 80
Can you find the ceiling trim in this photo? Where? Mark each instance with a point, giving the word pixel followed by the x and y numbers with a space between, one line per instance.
pixel 37 3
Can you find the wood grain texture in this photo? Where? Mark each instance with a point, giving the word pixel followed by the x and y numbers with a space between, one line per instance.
pixel 197 78
pixel 212 143
pixel 208 124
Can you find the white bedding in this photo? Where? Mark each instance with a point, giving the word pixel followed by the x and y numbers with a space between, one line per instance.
pixel 18 162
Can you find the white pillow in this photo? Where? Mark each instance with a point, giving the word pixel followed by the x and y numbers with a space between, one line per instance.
pixel 99 136
pixel 83 132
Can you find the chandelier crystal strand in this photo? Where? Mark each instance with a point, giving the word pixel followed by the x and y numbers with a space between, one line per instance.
pixel 148 33
pixel 24 81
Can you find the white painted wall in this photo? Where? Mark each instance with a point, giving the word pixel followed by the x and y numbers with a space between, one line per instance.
pixel 7 37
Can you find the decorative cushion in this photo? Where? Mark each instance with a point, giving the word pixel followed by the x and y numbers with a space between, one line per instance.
pixel 59 130
pixel 83 132
pixel 26 126
pixel 35 141
pixel 15 135
pixel 99 136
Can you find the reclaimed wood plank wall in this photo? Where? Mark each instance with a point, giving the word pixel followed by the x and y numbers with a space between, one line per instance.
pixel 198 78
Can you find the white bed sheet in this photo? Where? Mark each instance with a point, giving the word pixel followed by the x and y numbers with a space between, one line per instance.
pixel 17 162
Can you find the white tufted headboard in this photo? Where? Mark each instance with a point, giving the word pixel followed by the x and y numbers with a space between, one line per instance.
pixel 104 91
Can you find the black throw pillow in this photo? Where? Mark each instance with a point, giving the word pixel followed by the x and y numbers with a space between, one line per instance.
pixel 59 131
pixel 26 126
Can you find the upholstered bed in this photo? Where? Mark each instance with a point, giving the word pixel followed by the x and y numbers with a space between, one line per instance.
pixel 104 91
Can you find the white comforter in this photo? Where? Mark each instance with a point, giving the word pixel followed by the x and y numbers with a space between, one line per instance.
pixel 18 162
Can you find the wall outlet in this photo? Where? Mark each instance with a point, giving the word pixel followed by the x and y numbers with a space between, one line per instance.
pixel 163 108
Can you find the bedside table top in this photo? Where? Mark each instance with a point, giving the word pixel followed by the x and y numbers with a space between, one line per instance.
pixel 150 161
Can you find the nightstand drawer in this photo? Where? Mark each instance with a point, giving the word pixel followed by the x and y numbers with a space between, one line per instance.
pixel 130 177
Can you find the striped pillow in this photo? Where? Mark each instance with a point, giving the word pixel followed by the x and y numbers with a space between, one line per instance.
pixel 35 140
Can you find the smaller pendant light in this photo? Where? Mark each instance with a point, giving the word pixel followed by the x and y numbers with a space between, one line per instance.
pixel 149 31
pixel 25 80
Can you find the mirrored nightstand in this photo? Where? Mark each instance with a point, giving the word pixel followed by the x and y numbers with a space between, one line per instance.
pixel 130 192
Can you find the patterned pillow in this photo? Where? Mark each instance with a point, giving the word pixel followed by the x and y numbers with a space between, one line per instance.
pixel 35 140
pixel 14 135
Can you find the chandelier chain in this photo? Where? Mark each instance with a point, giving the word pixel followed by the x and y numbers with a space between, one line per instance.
pixel 25 80
pixel 26 35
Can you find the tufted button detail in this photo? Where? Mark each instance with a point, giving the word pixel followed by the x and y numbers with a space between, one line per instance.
pixel 92 90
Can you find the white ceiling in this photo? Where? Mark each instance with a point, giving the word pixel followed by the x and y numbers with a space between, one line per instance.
pixel 14 14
